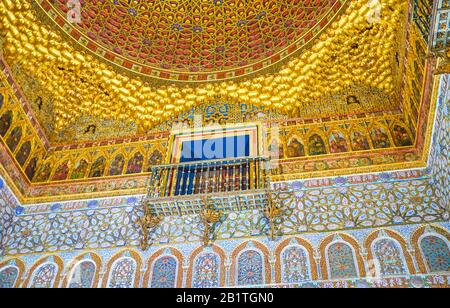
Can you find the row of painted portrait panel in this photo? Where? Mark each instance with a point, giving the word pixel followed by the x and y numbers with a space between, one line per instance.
pixel 101 167
pixel 23 150
pixel 18 135
pixel 387 255
pixel 340 141
pixel 120 164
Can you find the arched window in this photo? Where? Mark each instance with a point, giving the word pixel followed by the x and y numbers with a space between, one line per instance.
pixel 82 276
pixel 295 148
pixel 341 261
pixel 44 276
pixel 206 271
pixel 250 270
pixel 401 136
pixel 154 159
pixel 436 252
pixel 276 149
pixel 164 273
pixel 359 141
pixel 8 277
pixel 389 255
pixel 23 153
pixel 123 274
pixel 380 138
pixel 295 265
pixel 14 139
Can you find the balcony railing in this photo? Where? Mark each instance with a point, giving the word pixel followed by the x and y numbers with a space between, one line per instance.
pixel 210 189
pixel 228 185
pixel 209 177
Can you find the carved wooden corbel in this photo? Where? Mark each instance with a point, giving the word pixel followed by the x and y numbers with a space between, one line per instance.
pixel 210 217
pixel 272 212
pixel 148 223
pixel 443 66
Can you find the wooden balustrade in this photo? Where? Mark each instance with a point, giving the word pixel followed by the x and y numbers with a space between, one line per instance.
pixel 209 189
pixel 209 177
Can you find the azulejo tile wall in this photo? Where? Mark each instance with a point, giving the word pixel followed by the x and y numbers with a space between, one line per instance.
pixel 308 206
pixel 400 256
pixel 6 219
pixel 440 155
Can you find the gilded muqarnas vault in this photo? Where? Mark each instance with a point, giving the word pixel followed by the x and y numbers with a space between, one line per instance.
pixel 341 106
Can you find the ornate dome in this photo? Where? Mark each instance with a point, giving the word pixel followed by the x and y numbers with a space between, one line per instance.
pixel 194 40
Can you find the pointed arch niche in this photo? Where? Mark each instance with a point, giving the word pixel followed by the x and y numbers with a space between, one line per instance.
pixel 304 254
pixel 170 261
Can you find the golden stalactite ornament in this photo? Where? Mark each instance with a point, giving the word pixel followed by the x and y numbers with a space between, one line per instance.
pixel 350 51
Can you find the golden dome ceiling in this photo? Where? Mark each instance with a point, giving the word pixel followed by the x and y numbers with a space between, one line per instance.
pixel 193 40
pixel 350 52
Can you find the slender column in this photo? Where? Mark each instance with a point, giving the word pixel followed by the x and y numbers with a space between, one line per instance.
pixel 207 180
pixel 180 182
pixel 412 252
pixel 142 277
pixel 317 258
pixel 102 278
pixel 194 173
pixel 228 282
pixel 184 283
pixel 201 180
pixel 228 178
pixel 366 264
pixel 273 271
pixel 168 174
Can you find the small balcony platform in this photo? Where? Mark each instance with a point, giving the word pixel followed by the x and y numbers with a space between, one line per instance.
pixel 210 189
pixel 230 185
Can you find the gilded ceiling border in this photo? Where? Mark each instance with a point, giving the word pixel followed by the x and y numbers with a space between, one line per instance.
pixel 26 108
pixel 44 9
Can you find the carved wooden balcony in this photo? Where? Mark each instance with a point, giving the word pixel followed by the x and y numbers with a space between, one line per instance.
pixel 227 185
pixel 210 189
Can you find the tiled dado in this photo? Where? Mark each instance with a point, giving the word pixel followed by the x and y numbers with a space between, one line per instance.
pixel 308 206
pixel 402 256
